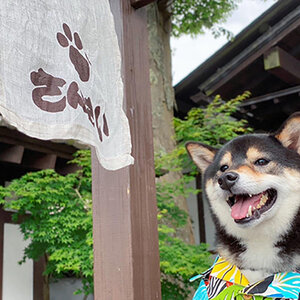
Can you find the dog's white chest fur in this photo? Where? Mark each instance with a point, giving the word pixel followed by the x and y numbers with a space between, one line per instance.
pixel 260 255
pixel 261 258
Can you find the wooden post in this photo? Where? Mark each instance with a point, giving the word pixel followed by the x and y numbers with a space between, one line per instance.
pixel 126 256
pixel 202 233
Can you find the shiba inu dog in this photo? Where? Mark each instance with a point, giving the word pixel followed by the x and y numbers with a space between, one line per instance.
pixel 253 187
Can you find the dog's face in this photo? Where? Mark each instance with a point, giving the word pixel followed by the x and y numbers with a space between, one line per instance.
pixel 253 179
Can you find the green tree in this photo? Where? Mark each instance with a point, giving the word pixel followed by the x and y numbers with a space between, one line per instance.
pixel 193 16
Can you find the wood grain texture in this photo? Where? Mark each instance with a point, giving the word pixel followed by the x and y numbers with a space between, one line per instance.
pixel 126 252
pixel 14 137
pixel 146 271
pixel 38 279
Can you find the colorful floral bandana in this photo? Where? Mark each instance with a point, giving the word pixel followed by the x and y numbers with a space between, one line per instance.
pixel 225 281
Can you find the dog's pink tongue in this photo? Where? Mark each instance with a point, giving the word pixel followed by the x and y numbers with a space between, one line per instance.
pixel 240 209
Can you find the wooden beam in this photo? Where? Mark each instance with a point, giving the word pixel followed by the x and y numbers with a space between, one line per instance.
pixel 126 256
pixel 38 160
pixel 271 96
pixel 11 153
pixel 283 65
pixel 15 137
pixel 140 3
pixel 251 53
pixel 201 97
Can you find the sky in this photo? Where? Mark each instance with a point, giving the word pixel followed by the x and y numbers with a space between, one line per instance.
pixel 188 53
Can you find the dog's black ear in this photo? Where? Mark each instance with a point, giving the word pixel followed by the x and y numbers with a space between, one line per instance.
pixel 201 154
pixel 289 133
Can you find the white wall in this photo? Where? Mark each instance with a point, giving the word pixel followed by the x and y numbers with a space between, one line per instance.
pixel 209 224
pixel 17 279
pixel 210 230
pixel 64 289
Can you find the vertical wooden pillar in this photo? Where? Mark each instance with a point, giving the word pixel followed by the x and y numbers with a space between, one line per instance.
pixel 126 252
pixel 202 234
pixel 39 284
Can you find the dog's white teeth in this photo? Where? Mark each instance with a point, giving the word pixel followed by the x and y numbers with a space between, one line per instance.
pixel 249 211
pixel 263 199
pixel 250 195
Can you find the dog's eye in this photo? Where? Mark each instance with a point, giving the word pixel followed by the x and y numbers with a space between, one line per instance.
pixel 224 168
pixel 261 162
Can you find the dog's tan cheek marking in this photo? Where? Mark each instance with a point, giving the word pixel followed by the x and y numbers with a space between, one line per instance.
pixel 245 169
pixel 248 171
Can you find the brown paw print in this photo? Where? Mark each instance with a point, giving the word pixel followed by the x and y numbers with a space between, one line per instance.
pixel 80 62
pixel 104 129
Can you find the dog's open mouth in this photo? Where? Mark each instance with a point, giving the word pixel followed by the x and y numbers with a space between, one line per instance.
pixel 246 207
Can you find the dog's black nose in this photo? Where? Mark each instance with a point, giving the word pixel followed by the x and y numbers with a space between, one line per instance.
pixel 227 180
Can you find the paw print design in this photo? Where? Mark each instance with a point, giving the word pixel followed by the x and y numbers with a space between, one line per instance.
pixel 81 63
pixel 104 129
pixel 48 85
